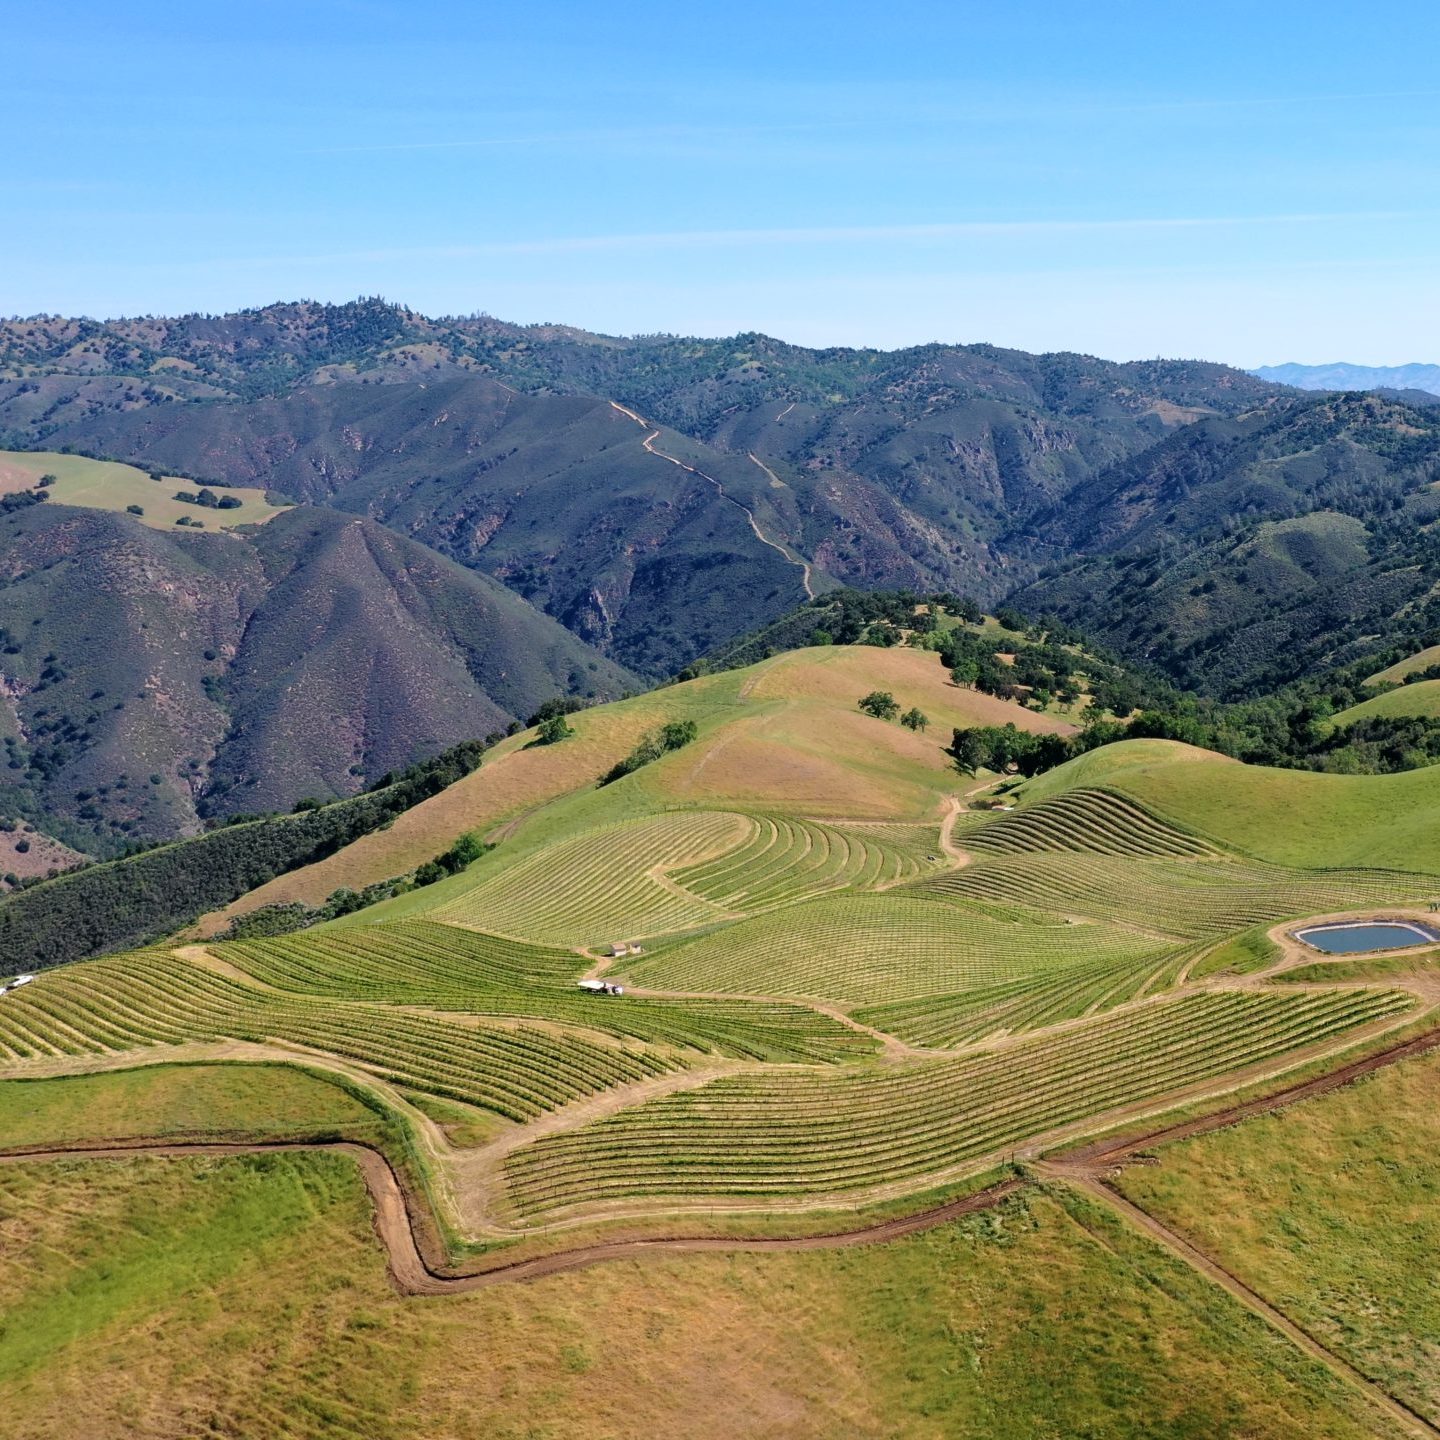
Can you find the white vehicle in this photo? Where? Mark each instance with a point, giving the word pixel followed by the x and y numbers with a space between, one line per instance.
pixel 600 987
pixel 18 981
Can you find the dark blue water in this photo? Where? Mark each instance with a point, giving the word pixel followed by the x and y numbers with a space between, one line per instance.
pixel 1353 939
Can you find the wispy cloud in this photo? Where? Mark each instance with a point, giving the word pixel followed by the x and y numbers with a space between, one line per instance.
pixel 839 235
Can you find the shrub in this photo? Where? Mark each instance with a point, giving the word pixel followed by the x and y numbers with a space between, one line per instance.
pixel 671 736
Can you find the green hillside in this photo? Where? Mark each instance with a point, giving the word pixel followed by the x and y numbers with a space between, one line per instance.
pixel 1421 699
pixel 105 485
pixel 852 991
pixel 1290 817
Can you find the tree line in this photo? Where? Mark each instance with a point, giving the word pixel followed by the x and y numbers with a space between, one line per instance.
pixel 144 897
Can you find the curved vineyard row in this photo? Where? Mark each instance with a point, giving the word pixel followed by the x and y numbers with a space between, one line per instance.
pixel 786 859
pixel 603 885
pixel 678 871
pixel 148 998
pixel 1191 900
pixel 1096 822
pixel 799 1134
pixel 444 967
pixel 947 1021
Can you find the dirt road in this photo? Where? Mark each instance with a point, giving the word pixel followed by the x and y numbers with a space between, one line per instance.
pixel 791 556
pixel 415 1275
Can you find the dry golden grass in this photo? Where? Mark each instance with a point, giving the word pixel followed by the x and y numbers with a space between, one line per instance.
pixel 156 1299
pixel 818 759
pixel 841 674
pixel 785 732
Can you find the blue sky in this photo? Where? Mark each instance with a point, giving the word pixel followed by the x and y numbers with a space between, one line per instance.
pixel 1242 182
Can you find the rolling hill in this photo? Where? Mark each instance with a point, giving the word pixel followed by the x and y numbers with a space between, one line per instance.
pixel 658 498
pixel 859 1004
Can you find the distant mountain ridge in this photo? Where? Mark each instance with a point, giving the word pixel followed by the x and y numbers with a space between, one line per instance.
pixel 1343 376
pixel 542 454
pixel 612 508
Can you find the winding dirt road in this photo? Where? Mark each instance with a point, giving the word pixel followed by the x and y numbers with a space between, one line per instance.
pixel 791 556
pixel 414 1272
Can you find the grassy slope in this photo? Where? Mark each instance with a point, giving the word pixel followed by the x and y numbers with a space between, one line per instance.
pixel 784 732
pixel 106 485
pixel 1420 699
pixel 1329 1211
pixel 1042 1320
pixel 174 1099
pixel 1290 817
pixel 1401 668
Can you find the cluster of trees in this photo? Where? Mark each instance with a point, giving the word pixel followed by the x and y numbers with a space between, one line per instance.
pixel 207 498
pixel 884 706
pixel 999 747
pixel 670 736
pixel 271 920
pixel 843 617
pixel 20 499
pixel 129 902
pixel 1287 730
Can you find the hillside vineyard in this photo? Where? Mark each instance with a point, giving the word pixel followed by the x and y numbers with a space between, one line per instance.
pixel 569 820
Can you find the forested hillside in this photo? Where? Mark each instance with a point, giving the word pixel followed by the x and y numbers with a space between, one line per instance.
pixel 150 679
pixel 1240 555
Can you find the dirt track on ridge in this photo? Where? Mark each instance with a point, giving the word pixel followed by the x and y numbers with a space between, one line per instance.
pixel 416 1274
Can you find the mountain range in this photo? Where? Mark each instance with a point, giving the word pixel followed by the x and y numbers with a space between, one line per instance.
pixel 488 515
pixel 1342 376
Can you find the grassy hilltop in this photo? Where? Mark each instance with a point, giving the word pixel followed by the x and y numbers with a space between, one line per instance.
pixel 866 984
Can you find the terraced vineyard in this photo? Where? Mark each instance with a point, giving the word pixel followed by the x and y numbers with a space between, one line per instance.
pixel 827 1011
pixel 1030 1003
pixel 151 998
pixel 872 948
pixel 1185 899
pixel 679 871
pixel 799 1135
pixel 1095 822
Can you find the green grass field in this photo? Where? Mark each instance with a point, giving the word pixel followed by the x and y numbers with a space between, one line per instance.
pixel 191 1100
pixel 1329 1211
pixel 1401 669
pixel 108 485
pixel 1422 699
